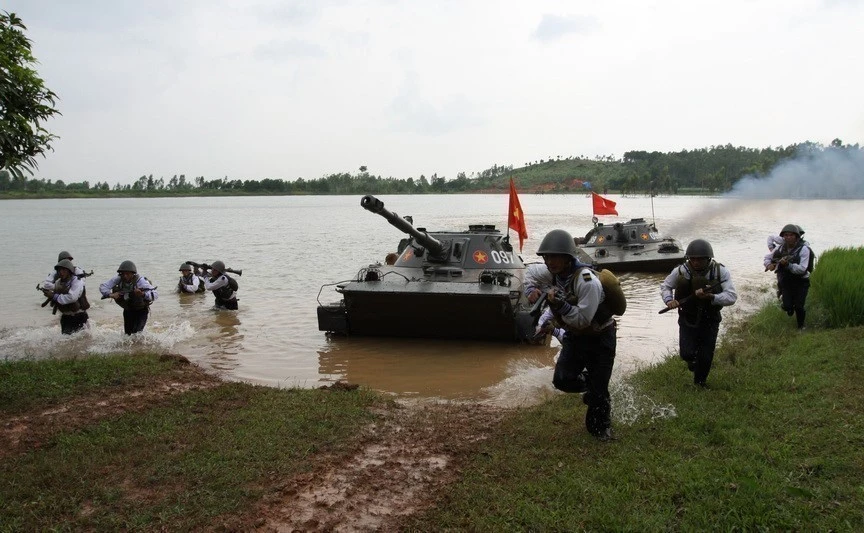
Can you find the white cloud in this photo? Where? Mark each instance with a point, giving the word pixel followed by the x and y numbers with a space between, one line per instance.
pixel 553 27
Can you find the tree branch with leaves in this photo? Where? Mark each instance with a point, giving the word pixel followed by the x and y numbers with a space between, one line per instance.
pixel 25 103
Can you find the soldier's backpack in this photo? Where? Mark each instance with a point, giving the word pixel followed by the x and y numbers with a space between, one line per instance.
pixel 615 300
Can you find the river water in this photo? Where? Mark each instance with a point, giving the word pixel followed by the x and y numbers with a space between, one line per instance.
pixel 289 247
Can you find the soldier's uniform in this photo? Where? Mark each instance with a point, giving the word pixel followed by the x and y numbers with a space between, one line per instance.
pixel 589 343
pixel 189 281
pixel 221 285
pixel 136 307
pixel 699 319
pixel 69 297
pixel 793 277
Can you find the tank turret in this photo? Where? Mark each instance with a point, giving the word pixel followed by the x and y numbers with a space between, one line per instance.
pixel 436 248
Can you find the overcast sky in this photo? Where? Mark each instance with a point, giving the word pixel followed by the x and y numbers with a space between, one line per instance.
pixel 284 89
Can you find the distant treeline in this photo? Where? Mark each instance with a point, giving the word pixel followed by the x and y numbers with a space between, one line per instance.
pixel 714 169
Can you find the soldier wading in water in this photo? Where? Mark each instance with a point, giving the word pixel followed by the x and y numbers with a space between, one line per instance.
pixel 68 295
pixel 133 293
pixel 575 295
pixel 223 286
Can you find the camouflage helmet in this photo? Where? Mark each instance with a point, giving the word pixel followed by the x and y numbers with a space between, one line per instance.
pixel 127 266
pixel 699 248
pixel 185 266
pixel 558 241
pixel 65 263
pixel 791 228
pixel 218 265
pixel 64 255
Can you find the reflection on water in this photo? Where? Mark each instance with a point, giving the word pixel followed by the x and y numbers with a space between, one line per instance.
pixel 429 367
pixel 288 247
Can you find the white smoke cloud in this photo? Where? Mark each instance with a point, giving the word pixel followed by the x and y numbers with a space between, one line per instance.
pixel 836 173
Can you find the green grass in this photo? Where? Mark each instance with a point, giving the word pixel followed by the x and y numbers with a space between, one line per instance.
pixel 774 444
pixel 24 384
pixel 837 286
pixel 177 466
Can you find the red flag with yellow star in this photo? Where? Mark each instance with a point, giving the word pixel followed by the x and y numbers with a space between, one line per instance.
pixel 515 216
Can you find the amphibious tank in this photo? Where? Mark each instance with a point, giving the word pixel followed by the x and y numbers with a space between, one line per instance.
pixel 633 246
pixel 443 284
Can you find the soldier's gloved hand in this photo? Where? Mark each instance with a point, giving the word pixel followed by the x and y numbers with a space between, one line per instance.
pixel 48 293
pixel 534 295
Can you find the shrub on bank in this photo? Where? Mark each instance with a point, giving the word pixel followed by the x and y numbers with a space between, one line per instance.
pixel 836 287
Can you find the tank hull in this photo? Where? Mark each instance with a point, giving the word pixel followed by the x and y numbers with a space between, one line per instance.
pixel 619 260
pixel 426 309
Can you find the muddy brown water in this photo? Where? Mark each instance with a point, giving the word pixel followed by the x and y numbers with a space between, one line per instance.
pixel 289 247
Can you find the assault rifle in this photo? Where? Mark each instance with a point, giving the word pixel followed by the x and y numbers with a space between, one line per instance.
pixel 48 300
pixel 205 266
pixel 782 259
pixel 537 308
pixel 132 290
pixel 686 298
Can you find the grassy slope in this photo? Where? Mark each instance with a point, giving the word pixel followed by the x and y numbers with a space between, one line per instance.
pixel 775 443
pixel 176 464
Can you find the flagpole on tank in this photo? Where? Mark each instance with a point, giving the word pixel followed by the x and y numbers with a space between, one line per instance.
pixel 651 192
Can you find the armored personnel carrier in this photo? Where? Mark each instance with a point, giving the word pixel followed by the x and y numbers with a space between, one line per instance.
pixel 443 284
pixel 634 246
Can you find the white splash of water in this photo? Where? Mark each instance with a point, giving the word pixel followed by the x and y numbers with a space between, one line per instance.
pixel 47 342
pixel 629 405
pixel 528 383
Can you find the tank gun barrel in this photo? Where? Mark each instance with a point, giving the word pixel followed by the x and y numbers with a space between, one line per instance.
pixel 433 245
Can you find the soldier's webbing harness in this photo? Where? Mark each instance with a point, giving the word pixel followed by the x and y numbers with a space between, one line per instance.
pixel 62 287
pixel 693 309
pixel 128 298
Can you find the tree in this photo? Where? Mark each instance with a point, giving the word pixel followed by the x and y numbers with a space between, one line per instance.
pixel 25 102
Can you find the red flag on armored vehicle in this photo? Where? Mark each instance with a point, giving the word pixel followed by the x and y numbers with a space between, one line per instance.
pixel 602 206
pixel 515 216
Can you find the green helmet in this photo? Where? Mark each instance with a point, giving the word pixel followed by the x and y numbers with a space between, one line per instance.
pixel 186 266
pixel 65 263
pixel 791 228
pixel 699 248
pixel 217 265
pixel 558 241
pixel 64 255
pixel 127 266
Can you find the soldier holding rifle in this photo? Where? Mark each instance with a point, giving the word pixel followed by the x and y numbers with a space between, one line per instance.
pixel 224 287
pixel 134 293
pixel 67 295
pixel 699 289
pixel 189 282
pixel 575 295
pixel 792 261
